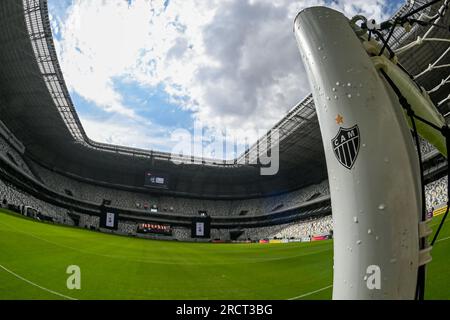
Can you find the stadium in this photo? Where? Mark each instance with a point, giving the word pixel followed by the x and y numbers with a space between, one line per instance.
pixel 146 224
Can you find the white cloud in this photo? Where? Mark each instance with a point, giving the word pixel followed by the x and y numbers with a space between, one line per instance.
pixel 235 63
pixel 126 132
pixel 99 42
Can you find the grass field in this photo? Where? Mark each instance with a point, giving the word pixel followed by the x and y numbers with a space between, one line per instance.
pixel 34 257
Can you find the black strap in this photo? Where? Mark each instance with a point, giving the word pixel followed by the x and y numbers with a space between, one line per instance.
pixel 445 131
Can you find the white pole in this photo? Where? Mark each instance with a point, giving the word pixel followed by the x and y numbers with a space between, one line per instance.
pixel 372 164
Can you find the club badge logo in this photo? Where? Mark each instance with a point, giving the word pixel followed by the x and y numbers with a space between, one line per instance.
pixel 346 146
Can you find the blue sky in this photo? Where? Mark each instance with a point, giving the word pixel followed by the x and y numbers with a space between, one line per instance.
pixel 140 70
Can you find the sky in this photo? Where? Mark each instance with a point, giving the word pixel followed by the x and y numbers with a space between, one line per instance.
pixel 139 71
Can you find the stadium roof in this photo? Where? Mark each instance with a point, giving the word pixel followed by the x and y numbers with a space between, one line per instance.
pixel 36 106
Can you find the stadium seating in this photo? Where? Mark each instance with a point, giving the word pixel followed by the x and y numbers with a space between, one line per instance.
pixel 436 196
pixel 11 154
pixel 185 206
pixel 426 147
pixel 294 230
pixel 9 195
pixel 297 230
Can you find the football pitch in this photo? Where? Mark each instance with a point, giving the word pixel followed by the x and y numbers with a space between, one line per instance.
pixel 34 257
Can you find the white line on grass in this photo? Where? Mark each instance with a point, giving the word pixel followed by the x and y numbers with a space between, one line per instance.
pixel 437 223
pixel 325 288
pixel 36 285
pixel 443 239
pixel 310 293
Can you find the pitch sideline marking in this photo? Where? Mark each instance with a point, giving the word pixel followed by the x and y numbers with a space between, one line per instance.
pixel 325 288
pixel 437 223
pixel 310 293
pixel 70 298
pixel 443 239
pixel 35 284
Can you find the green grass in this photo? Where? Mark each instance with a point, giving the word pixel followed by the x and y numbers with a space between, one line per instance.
pixel 115 267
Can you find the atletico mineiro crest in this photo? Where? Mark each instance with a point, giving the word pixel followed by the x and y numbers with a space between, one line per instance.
pixel 346 146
